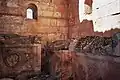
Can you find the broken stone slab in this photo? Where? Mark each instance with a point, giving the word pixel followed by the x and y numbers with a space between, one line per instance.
pixel 17 39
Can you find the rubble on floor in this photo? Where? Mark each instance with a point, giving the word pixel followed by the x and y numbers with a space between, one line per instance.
pixel 95 45
pixel 59 45
pixel 60 64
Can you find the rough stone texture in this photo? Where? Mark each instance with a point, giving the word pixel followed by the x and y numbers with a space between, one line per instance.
pixel 16 57
pixel 52 20
pixel 58 19
pixel 55 20
pixel 85 67
pixel 86 28
pixel 73 16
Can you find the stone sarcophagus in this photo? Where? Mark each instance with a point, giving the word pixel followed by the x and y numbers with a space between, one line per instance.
pixel 19 53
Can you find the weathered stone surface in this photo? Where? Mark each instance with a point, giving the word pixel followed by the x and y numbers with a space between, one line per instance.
pixel 50 14
pixel 95 44
pixel 56 19
pixel 84 67
pixel 19 53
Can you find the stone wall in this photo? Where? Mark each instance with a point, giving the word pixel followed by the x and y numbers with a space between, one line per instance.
pixel 72 66
pixel 15 59
pixel 86 28
pixel 73 15
pixel 55 19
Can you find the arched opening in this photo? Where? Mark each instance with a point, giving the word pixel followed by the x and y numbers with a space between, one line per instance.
pixel 31 12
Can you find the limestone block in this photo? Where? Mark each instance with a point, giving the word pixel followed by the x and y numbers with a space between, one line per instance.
pixel 12 28
pixel 52 36
pixel 61 8
pixel 11 19
pixel 57 14
pixel 12 3
pixel 53 22
pixel 23 29
pixel 61 22
pixel 43 29
pixel 44 22
pixel 51 8
pixel 47 13
pixel 43 7
pixel 64 14
pixel 40 13
pixel 14 11
pixel 63 29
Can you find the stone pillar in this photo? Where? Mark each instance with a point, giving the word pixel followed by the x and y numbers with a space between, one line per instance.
pixel 73 18
pixel 37 53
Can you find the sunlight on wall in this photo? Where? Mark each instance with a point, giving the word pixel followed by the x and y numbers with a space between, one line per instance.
pixel 101 11
pixel 83 9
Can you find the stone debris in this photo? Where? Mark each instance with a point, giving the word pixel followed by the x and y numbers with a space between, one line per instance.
pixel 58 65
pixel 16 56
pixel 95 45
pixel 72 45
pixel 59 45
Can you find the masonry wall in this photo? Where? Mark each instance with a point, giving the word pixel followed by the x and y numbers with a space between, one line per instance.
pixel 79 66
pixel 73 15
pixel 52 20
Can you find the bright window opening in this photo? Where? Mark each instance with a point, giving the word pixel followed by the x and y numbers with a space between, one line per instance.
pixel 29 13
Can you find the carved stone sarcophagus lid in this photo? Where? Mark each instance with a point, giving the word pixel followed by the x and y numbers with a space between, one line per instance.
pixel 19 53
